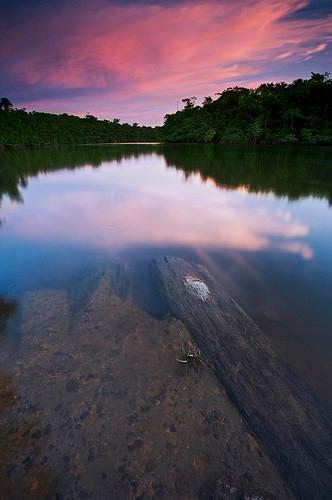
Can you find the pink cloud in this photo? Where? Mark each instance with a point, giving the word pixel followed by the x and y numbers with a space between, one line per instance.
pixel 314 50
pixel 285 55
pixel 159 52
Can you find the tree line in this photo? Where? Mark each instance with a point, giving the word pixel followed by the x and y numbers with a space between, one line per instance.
pixel 17 126
pixel 297 112
pixel 272 113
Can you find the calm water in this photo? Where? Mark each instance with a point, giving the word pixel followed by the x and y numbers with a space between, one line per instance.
pixel 260 218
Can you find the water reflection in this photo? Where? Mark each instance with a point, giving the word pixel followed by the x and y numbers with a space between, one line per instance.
pixel 145 203
pixel 292 172
pixel 103 218
pixel 289 171
pixel 18 165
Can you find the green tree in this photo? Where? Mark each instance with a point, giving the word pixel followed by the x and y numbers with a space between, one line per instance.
pixel 207 100
pixel 5 104
pixel 189 102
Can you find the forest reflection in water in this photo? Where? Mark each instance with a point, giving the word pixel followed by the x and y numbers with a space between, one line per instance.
pixel 291 171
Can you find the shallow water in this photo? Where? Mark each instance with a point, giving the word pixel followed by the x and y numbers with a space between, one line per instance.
pixel 260 218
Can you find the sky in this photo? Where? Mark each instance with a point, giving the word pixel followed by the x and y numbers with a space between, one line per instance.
pixel 136 60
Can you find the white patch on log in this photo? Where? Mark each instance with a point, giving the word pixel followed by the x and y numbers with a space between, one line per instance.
pixel 196 287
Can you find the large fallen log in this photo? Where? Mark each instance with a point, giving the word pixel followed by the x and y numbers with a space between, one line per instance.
pixel 292 424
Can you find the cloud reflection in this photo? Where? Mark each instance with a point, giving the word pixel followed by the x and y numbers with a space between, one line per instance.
pixel 114 208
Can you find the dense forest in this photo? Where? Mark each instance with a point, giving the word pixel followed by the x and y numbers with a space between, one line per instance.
pixel 272 113
pixel 299 112
pixel 18 126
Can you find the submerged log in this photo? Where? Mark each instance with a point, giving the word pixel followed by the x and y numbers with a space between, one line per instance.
pixel 292 424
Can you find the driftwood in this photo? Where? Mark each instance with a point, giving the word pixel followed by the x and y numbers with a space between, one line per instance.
pixel 291 423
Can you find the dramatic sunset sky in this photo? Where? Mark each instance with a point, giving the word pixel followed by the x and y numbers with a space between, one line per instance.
pixel 135 60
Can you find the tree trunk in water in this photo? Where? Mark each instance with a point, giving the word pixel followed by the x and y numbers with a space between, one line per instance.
pixel 292 424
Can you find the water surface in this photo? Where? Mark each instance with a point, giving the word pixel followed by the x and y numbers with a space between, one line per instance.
pixel 260 218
